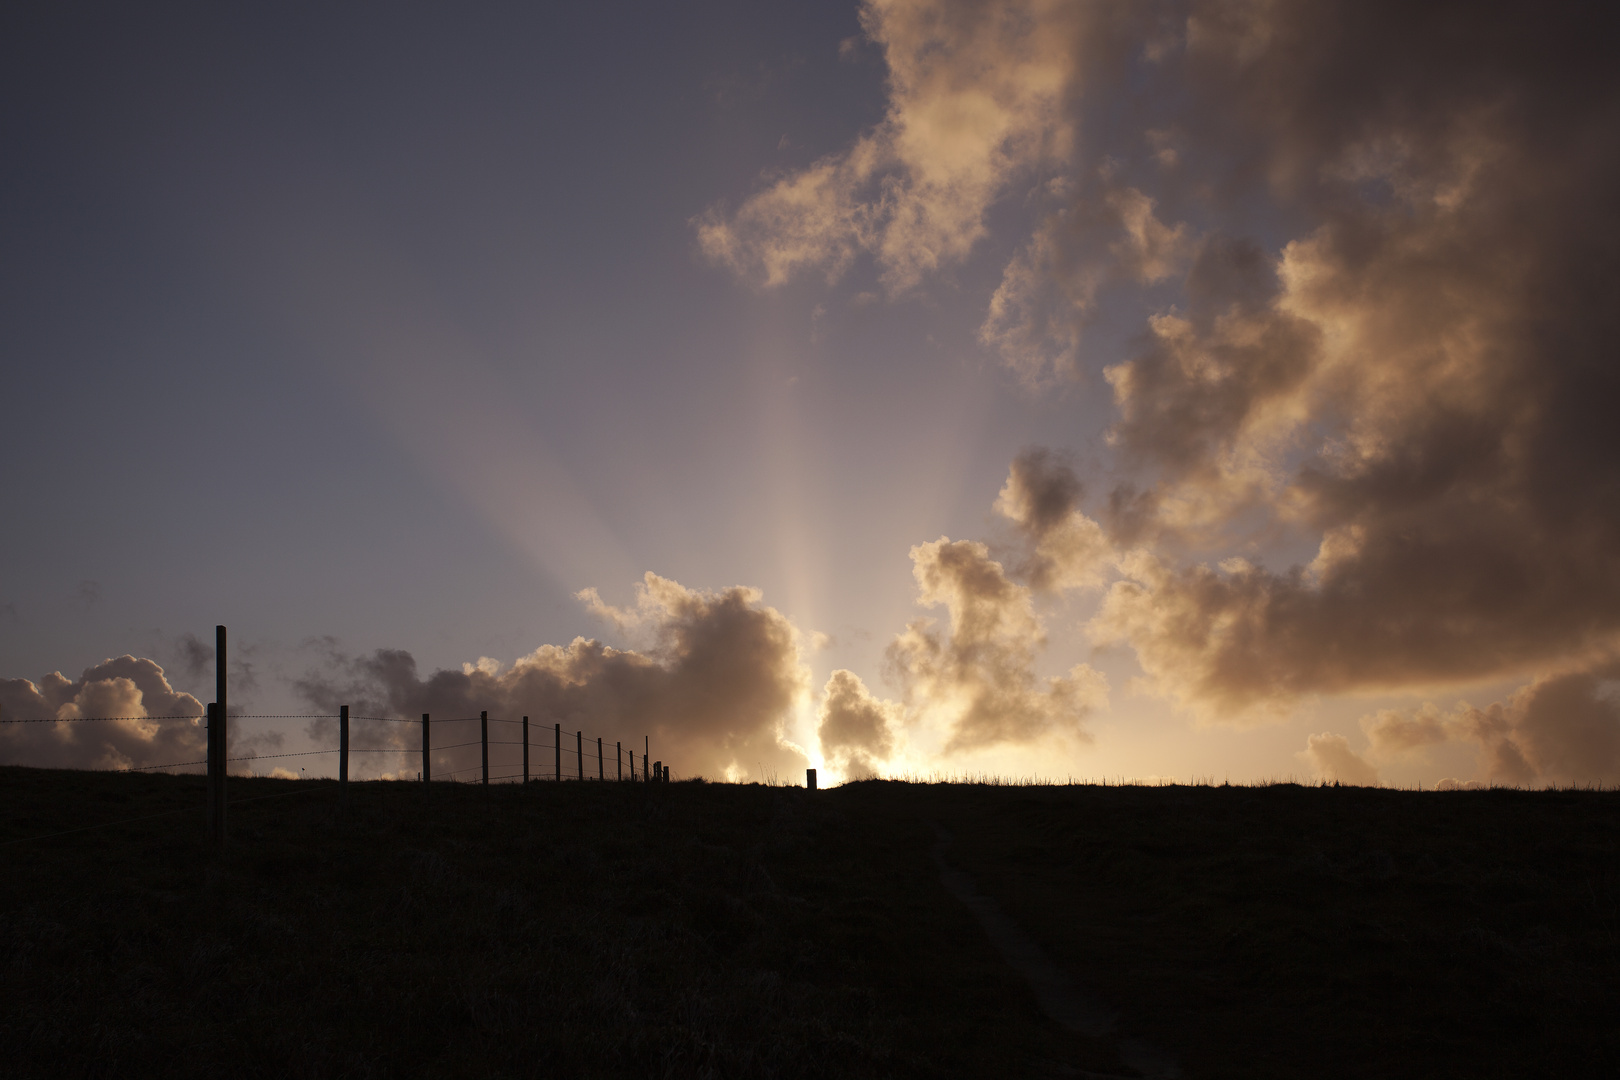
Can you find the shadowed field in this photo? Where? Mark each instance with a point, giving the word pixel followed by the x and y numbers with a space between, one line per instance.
pixel 713 930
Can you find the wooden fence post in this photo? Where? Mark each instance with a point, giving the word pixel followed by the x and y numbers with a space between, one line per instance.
pixel 427 763
pixel 213 773
pixel 658 770
pixel 618 758
pixel 483 727
pixel 222 730
pixel 556 745
pixel 599 757
pixel 810 779
pixel 579 749
pixel 343 750
pixel 645 775
pixel 525 749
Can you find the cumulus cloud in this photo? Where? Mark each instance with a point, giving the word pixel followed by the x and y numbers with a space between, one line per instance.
pixel 126 687
pixel 975 99
pixel 714 688
pixel 1042 499
pixel 1331 758
pixel 977 675
pixel 856 730
pixel 1561 728
pixel 1418 381
pixel 1049 290
pixel 1372 247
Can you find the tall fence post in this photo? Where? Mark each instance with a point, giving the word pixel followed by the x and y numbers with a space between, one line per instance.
pixel 599 757
pixel 222 731
pixel 556 745
pixel 427 762
pixel 343 750
pixel 213 773
pixel 579 750
pixel 810 779
pixel 645 775
pixel 525 749
pixel 483 727
pixel 618 758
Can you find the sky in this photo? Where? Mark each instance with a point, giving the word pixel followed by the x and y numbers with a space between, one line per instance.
pixel 1207 390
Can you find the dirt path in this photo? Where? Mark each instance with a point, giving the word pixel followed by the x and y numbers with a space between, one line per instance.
pixel 1072 1006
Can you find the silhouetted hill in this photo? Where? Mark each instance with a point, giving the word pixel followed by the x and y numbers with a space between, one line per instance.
pixel 716 930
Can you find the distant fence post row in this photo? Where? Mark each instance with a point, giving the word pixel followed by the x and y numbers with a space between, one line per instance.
pixel 218 741
pixel 654 771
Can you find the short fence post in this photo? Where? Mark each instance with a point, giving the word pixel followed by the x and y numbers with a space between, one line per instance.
pixel 483 724
pixel 658 770
pixel 810 779
pixel 525 749
pixel 427 763
pixel 645 775
pixel 556 744
pixel 618 758
pixel 579 751
pixel 599 758
pixel 343 750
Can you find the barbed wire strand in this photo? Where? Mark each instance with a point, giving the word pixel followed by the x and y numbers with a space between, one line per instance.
pixel 233 716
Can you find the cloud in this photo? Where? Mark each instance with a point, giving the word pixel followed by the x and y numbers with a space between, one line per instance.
pixel 714 688
pixel 124 687
pixel 1331 758
pixel 1418 380
pixel 975 99
pixel 1067 549
pixel 977 677
pixel 857 730
pixel 1562 728
pixel 1370 245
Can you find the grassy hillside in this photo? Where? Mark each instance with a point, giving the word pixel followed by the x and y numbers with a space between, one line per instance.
pixel 714 930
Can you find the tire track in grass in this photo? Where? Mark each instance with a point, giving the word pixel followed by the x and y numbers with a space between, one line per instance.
pixel 1072 1006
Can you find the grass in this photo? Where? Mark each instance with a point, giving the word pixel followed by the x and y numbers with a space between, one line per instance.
pixel 722 930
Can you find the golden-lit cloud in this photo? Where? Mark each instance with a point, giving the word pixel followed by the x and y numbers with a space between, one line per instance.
pixel 1562 728
pixel 1378 236
pixel 975 98
pixel 1042 499
pixel 857 730
pixel 126 687
pixel 976 677
pixel 714 687
pixel 1331 758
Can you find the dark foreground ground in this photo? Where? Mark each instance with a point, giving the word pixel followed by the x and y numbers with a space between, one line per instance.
pixel 713 930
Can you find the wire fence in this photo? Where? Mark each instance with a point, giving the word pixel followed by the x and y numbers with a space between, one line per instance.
pixel 547 754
